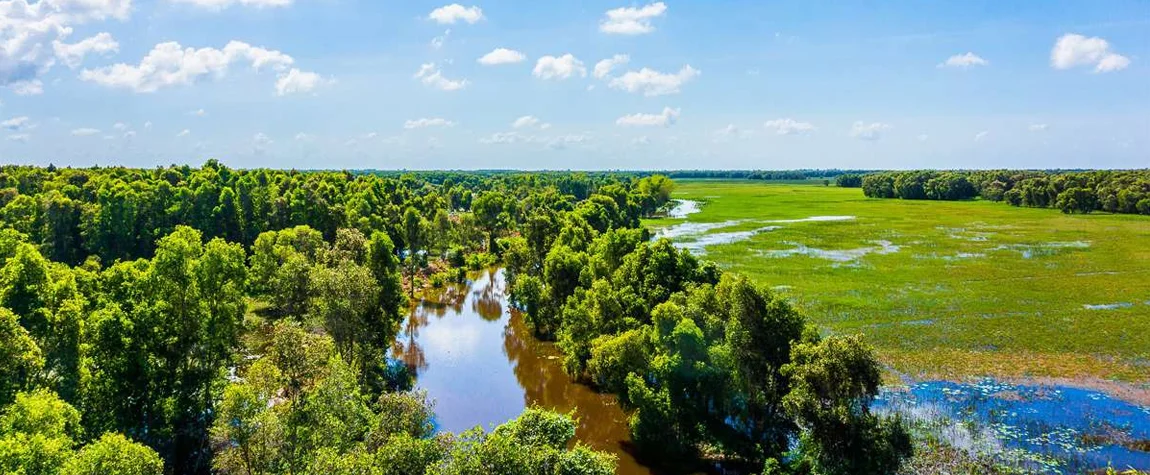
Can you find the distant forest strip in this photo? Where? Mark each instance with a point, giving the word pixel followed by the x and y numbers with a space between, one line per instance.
pixel 1113 191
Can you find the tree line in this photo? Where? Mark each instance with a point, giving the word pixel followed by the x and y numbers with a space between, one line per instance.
pixel 180 320
pixel 1118 191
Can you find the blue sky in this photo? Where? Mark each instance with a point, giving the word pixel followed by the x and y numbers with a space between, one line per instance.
pixel 706 84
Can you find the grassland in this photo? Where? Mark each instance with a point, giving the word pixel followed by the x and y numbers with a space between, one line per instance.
pixel 949 290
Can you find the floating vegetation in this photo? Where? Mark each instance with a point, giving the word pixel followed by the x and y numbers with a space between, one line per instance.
pixel 683 208
pixel 840 255
pixel 1108 306
pixel 1048 429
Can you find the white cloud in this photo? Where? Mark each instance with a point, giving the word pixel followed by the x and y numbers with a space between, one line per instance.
pixel 603 68
pixel 148 124
pixel 120 126
pixel 1072 50
pixel 430 75
pixel 73 54
pixel 530 121
pixel 33 35
pixel 731 131
pixel 217 5
pixel 1039 127
pixel 199 113
pixel 27 88
pixel 427 122
pixel 923 137
pixel 184 133
pixel 563 67
pixel 129 134
pixel 632 20
pixel 502 56
pixel 563 141
pixel 302 137
pixel 296 82
pixel 16 123
pixel 641 140
pixel 19 137
pixel 788 126
pixel 654 83
pixel 438 41
pixel 963 61
pixel 872 131
pixel 85 131
pixel 505 138
pixel 370 135
pixel 981 135
pixel 169 64
pixel 449 14
pixel 663 119
pixel 260 143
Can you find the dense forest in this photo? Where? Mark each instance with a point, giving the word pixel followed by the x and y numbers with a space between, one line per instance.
pixel 1072 191
pixel 211 320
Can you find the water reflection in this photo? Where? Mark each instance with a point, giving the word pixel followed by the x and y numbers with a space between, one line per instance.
pixel 482 366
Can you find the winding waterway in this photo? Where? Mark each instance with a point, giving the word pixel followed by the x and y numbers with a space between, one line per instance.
pixel 482 366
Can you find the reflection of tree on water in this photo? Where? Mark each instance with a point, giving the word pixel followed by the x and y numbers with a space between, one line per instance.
pixel 437 303
pixel 538 368
pixel 488 302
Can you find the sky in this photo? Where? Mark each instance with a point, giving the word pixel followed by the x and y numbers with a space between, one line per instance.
pixel 498 84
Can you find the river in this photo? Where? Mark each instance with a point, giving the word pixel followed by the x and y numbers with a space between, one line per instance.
pixel 482 366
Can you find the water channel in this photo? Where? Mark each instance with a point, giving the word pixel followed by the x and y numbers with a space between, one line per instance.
pixel 482 366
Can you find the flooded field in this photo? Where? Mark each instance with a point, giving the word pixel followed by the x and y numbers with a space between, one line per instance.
pixel 943 290
pixel 482 367
pixel 1046 429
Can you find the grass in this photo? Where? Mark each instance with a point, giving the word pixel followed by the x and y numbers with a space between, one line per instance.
pixel 963 289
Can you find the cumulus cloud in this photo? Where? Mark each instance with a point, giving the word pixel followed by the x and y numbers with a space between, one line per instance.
pixel 120 126
pixel 73 54
pixel 654 83
pixel 632 20
pixel 872 131
pixel 16 123
pixel 217 5
pixel 1073 50
pixel 169 64
pixel 963 61
pixel 23 138
pixel 199 113
pixel 603 68
pixel 85 131
pixel 33 37
pixel 430 75
pixel 449 14
pixel 662 119
pixel 530 122
pixel 1038 127
pixel 298 82
pixel 564 141
pixel 184 133
pixel 502 56
pixel 563 67
pixel 427 122
pixel 788 126
pixel 505 138
pixel 981 135
pixel 260 143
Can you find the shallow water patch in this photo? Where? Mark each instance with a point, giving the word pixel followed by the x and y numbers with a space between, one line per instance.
pixel 836 255
pixel 1029 251
pixel 683 208
pixel 700 243
pixel 1108 306
pixel 692 229
pixel 1050 429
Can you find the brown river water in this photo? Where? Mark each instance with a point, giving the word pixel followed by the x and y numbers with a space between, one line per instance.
pixel 482 366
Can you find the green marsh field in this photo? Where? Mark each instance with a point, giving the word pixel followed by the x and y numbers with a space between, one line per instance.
pixel 951 290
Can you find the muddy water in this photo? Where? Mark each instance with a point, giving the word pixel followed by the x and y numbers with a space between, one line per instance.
pixel 482 367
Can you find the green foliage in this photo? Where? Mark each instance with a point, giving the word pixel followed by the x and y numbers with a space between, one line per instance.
pixel 114 454
pixel 20 357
